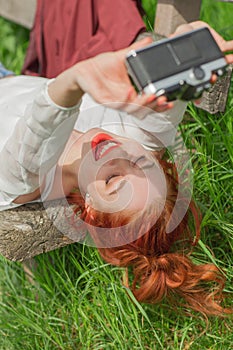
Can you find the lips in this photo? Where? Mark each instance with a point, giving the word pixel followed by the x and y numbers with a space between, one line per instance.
pixel 102 144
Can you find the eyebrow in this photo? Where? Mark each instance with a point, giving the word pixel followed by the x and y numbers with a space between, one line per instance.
pixel 148 166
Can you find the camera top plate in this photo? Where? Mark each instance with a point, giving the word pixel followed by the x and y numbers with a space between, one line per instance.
pixel 180 67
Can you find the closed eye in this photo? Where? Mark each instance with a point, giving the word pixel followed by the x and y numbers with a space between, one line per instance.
pixel 110 177
pixel 144 163
pixel 140 159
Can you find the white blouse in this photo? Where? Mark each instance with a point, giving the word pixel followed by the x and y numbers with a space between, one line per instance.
pixel 152 129
pixel 34 131
pixel 33 134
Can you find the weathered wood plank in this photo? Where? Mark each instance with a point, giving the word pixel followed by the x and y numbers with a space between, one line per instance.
pixel 19 11
pixel 215 99
pixel 28 231
pixel 172 13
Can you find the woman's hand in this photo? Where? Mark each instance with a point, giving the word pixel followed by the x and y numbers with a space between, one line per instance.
pixel 224 45
pixel 106 79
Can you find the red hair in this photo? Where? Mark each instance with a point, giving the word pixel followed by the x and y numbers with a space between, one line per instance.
pixel 160 261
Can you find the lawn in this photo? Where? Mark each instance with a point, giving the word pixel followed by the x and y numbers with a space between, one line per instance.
pixel 77 301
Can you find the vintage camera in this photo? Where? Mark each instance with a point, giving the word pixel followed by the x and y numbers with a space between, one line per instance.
pixel 180 67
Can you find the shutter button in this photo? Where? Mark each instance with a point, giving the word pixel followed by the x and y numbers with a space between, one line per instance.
pixel 198 73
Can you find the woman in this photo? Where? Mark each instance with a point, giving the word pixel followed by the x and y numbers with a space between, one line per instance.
pixel 43 142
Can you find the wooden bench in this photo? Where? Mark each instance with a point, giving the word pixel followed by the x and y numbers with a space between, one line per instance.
pixel 27 231
pixel 169 13
pixel 21 12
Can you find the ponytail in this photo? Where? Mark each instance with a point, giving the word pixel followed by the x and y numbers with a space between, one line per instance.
pixel 170 276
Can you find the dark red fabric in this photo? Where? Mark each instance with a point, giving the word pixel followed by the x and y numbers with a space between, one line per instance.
pixel 66 32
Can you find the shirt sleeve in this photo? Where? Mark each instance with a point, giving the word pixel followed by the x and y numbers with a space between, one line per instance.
pixel 35 145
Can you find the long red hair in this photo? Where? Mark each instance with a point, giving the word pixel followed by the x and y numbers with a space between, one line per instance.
pixel 159 260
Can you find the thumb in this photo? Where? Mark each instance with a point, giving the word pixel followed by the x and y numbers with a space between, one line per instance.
pixel 135 46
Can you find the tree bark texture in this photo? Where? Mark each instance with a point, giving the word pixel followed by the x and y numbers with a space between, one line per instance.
pixel 27 231
pixel 214 101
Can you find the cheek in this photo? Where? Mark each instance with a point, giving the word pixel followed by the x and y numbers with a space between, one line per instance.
pixel 157 184
pixel 87 172
pixel 146 192
pixel 140 190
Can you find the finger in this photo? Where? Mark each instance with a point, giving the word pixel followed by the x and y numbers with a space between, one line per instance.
pixel 141 43
pixel 197 102
pixel 156 103
pixel 227 45
pixel 161 107
pixel 144 105
pixel 132 94
pixel 139 102
pixel 159 103
pixel 183 28
pixel 229 58
pixel 213 78
pixel 132 106
pixel 142 111
pixel 222 43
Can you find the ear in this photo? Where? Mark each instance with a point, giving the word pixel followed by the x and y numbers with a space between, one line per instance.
pixel 88 200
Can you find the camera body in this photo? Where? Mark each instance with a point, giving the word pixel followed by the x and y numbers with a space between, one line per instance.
pixel 179 68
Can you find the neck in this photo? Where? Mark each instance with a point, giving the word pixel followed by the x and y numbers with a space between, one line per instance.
pixel 67 167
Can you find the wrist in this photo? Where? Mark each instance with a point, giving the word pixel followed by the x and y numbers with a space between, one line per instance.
pixel 65 91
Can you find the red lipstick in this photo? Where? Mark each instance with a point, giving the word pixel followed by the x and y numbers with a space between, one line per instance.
pixel 102 144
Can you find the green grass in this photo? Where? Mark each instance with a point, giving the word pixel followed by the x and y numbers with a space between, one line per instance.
pixel 13 44
pixel 78 301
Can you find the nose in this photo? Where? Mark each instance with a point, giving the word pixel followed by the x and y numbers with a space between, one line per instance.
pixel 116 185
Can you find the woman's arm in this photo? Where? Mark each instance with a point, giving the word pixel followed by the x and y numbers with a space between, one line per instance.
pixel 34 147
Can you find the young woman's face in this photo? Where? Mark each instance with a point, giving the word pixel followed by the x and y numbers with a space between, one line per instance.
pixel 117 173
